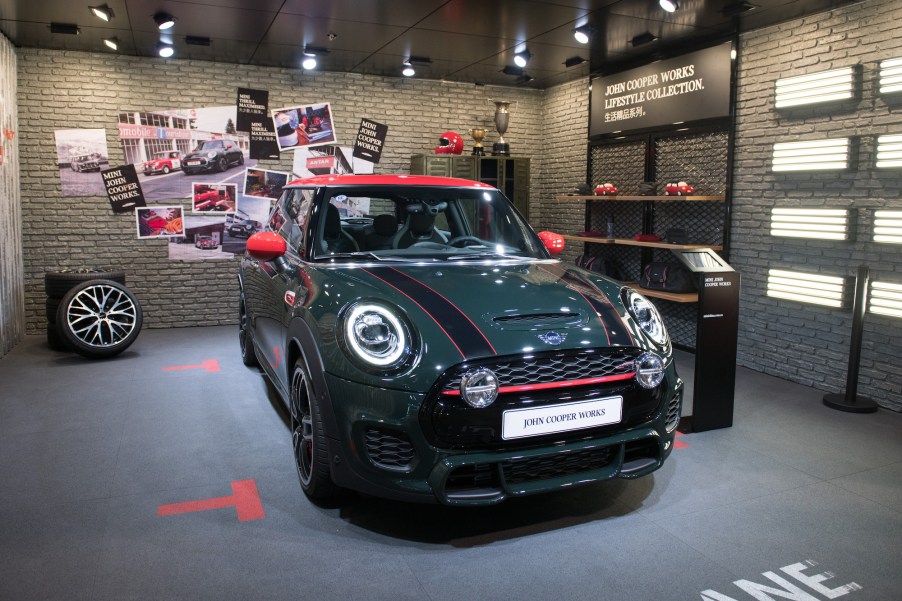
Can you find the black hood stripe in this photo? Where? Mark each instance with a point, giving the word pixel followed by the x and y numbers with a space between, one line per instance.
pixel 464 334
pixel 616 330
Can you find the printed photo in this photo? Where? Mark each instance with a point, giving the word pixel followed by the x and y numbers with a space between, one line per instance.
pixel 267 184
pixel 202 240
pixel 80 156
pixel 328 160
pixel 299 126
pixel 250 217
pixel 159 222
pixel 214 198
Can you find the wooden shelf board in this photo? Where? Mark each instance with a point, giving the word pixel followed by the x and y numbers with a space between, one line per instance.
pixel 676 297
pixel 631 242
pixel 645 198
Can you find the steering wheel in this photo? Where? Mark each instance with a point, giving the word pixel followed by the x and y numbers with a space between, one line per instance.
pixel 465 239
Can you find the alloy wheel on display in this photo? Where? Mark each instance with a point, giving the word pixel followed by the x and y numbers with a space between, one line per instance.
pixel 100 318
pixel 302 426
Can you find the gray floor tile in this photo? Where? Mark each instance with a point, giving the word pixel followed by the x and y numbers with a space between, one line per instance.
pixel 880 485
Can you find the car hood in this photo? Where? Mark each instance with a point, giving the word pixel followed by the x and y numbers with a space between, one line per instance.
pixel 471 311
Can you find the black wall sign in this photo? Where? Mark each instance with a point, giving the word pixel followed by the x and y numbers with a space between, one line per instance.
pixel 370 140
pixel 687 88
pixel 253 117
pixel 122 188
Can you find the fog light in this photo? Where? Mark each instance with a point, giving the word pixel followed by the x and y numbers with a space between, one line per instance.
pixel 650 370
pixel 479 387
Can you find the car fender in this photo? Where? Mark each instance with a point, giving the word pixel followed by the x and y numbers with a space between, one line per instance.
pixel 301 334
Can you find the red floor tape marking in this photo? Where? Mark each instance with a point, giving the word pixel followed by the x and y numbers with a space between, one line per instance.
pixel 211 365
pixel 677 443
pixel 244 498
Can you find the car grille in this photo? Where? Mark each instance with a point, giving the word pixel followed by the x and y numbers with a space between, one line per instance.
pixel 556 368
pixel 543 318
pixel 389 450
pixel 532 469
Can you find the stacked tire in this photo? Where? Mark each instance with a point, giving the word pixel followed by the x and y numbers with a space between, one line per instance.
pixel 91 312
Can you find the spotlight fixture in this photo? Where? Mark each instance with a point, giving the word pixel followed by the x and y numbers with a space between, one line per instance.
pixel 574 61
pixel 66 28
pixel 643 38
pixel 734 9
pixel 811 155
pixel 816 289
pixel 669 5
pixel 582 34
pixel 102 12
pixel 309 62
pixel 310 54
pixel 521 59
pixel 164 20
pixel 512 70
pixel 408 70
pixel 165 50
pixel 111 43
pixel 820 224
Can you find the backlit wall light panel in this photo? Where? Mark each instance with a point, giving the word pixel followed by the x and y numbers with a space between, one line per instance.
pixel 811 155
pixel 886 299
pixel 889 151
pixel 891 76
pixel 811 288
pixel 821 224
pixel 826 86
pixel 888 227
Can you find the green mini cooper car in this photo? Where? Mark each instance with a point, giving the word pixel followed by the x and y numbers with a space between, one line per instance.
pixel 431 348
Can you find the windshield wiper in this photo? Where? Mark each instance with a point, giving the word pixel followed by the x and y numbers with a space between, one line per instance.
pixel 484 255
pixel 363 254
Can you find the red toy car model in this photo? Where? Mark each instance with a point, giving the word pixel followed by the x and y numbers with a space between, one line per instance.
pixel 678 189
pixel 606 189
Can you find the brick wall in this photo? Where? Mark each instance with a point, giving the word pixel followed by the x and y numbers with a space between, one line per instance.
pixel 12 303
pixel 805 343
pixel 71 90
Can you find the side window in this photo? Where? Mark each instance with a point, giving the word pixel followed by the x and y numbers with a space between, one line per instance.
pixel 290 217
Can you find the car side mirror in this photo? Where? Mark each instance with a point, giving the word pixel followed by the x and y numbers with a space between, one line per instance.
pixel 266 246
pixel 554 242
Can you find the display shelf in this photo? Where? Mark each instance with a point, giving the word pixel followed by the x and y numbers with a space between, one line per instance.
pixel 644 198
pixel 676 297
pixel 631 242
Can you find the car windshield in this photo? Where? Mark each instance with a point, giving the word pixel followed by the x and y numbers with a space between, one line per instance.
pixel 209 145
pixel 421 223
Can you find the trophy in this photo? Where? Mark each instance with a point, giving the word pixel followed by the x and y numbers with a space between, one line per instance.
pixel 478 134
pixel 501 148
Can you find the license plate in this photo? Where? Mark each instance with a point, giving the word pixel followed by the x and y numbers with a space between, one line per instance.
pixel 192 163
pixel 520 423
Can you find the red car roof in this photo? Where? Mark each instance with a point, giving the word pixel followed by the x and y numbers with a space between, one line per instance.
pixel 388 180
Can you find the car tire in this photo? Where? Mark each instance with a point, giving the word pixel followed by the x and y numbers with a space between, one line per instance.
pixel 52 305
pixel 245 338
pixel 58 283
pixel 222 164
pixel 165 170
pixel 83 318
pixel 241 159
pixel 308 437
pixel 54 340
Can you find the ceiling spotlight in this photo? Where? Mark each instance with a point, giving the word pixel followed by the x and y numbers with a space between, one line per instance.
pixel 574 61
pixel 112 43
pixel 164 20
pixel 737 8
pixel 644 38
pixel 309 62
pixel 512 70
pixel 102 12
pixel 408 69
pixel 522 58
pixel 582 34
pixel 669 5
pixel 165 50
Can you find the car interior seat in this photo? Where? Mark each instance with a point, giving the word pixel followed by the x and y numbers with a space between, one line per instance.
pixel 335 239
pixel 385 227
pixel 419 227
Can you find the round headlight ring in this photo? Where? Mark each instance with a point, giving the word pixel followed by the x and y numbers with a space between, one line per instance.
pixel 479 387
pixel 649 370
pixel 211 154
pixel 647 316
pixel 375 335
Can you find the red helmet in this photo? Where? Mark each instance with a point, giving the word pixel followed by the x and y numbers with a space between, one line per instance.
pixel 450 143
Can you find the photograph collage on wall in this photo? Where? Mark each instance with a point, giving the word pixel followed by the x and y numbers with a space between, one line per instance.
pixel 159 222
pixel 304 125
pixel 80 155
pixel 214 198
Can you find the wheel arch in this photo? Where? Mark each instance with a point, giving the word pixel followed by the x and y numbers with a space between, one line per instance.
pixel 301 343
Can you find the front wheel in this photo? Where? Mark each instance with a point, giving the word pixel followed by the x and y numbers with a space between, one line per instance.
pixel 165 170
pixel 308 436
pixel 223 164
pixel 245 340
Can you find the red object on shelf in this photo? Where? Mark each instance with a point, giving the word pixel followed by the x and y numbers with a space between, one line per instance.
pixel 647 238
pixel 590 234
pixel 606 189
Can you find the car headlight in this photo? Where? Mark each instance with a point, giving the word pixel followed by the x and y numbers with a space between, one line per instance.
pixel 376 335
pixel 646 316
pixel 649 370
pixel 211 154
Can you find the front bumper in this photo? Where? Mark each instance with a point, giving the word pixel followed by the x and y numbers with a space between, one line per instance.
pixel 380 449
pixel 203 164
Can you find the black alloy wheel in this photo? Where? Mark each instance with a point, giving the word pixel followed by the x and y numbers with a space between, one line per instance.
pixel 99 318
pixel 223 164
pixel 309 439
pixel 245 340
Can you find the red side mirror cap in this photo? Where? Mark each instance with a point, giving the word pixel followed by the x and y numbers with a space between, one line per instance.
pixel 266 246
pixel 553 242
